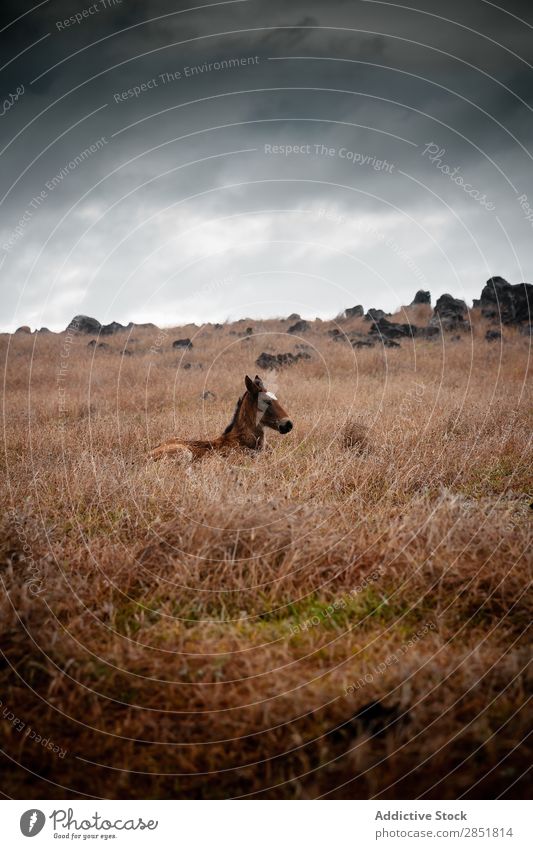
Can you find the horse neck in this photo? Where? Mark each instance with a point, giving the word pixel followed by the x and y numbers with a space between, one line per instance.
pixel 245 428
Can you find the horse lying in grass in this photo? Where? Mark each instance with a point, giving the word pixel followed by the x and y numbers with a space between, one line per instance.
pixel 255 410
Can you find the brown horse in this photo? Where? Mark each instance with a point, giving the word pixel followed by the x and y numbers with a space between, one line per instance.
pixel 255 410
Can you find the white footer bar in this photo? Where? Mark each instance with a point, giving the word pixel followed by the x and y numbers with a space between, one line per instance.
pixel 257 824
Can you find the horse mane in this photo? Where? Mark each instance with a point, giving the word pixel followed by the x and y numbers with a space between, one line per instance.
pixel 235 414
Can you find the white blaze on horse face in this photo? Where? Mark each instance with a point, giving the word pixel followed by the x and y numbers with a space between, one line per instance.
pixel 262 404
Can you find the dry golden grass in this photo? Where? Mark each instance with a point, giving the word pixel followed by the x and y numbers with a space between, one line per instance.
pixel 214 631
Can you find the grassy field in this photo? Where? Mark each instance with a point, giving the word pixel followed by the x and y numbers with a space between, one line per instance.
pixel 344 615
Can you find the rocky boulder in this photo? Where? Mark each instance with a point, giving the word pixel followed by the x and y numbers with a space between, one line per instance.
pixel 450 313
pixel 390 330
pixel 493 335
pixel 501 301
pixel 375 315
pixel 84 324
pixel 337 335
pixel 182 343
pixel 349 338
pixel 421 297
pixel 300 327
pixel 23 329
pixel 354 312
pixel 113 327
pixel 276 361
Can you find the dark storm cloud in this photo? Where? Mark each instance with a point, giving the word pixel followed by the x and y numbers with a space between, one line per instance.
pixel 367 80
pixel 289 38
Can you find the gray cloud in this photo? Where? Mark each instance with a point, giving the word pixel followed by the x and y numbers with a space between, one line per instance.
pixel 181 195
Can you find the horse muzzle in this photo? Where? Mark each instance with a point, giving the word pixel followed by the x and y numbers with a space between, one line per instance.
pixel 285 426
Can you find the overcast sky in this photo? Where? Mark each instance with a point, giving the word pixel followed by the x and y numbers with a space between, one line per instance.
pixel 275 156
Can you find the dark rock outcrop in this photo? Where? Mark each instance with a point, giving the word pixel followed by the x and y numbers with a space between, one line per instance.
pixel 493 335
pixel 276 361
pixel 182 343
pixel 23 329
pixel 421 297
pixel 349 338
pixel 375 315
pixel 300 327
pixel 354 312
pixel 505 303
pixel 450 313
pixel 84 324
pixel 390 330
pixel 113 327
pixel 363 343
pixel 338 336
pixel 294 317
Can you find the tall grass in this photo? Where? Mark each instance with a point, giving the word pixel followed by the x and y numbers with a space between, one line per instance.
pixel 345 614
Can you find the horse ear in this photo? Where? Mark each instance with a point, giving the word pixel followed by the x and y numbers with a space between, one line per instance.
pixel 250 385
pixel 259 383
